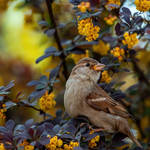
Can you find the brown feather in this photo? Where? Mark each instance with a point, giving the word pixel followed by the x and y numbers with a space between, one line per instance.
pixel 100 100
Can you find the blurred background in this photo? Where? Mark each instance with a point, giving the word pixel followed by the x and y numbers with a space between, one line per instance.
pixel 22 41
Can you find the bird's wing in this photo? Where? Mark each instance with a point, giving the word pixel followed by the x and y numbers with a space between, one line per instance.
pixel 98 99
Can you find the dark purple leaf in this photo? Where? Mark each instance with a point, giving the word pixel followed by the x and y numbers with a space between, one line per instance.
pixel 75 2
pixel 78 51
pixel 49 32
pixel 127 19
pixel 118 29
pixel 43 79
pixel 10 85
pixel 29 123
pixel 57 53
pixel 96 14
pixel 71 129
pixel 54 72
pixel 114 65
pixel 1 98
pixel 31 132
pixel 86 43
pixel 118 95
pixel 126 11
pixel 41 86
pixel 43 23
pixel 77 148
pixel 3 130
pixel 104 60
pixel 44 140
pixel 4 93
pixel 33 143
pixel 37 94
pixel 109 39
pixel 2 87
pixel 56 128
pixel 32 83
pixel 10 124
pixel 67 136
pixel 19 129
pixel 51 49
pixel 66 42
pixel 89 136
pixel 10 104
pixel 20 133
pixel 39 130
pixel 138 21
pixel 61 25
pixel 8 138
pixel 9 146
pixel 83 16
pixel 43 57
pixel 48 126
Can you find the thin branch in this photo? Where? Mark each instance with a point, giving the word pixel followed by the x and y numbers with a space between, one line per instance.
pixel 22 104
pixel 140 72
pixel 54 25
pixel 142 78
pixel 30 106
pixel 56 36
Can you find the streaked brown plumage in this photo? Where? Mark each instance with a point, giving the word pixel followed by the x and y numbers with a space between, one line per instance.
pixel 84 97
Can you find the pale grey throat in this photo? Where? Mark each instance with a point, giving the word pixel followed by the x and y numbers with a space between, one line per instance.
pixel 100 76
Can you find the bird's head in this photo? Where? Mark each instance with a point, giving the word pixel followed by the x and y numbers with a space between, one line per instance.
pixel 88 68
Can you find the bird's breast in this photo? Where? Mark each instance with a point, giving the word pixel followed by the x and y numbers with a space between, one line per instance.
pixel 75 94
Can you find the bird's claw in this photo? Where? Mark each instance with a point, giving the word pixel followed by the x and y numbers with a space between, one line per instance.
pixel 96 130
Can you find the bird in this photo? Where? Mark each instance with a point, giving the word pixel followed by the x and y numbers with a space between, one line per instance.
pixel 84 97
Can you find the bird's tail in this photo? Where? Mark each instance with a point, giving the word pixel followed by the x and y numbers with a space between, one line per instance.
pixel 124 128
pixel 132 137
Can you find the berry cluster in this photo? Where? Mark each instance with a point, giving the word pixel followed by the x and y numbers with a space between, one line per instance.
pixel 130 39
pixel 84 6
pixel 47 102
pixel 118 52
pixel 110 19
pixel 142 5
pixel 86 28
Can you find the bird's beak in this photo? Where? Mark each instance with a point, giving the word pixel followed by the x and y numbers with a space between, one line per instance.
pixel 98 67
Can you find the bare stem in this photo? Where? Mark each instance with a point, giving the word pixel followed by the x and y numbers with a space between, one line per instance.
pixel 140 73
pixel 142 78
pixel 29 106
pixel 56 36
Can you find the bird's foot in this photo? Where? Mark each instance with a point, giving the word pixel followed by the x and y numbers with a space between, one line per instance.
pixel 91 128
pixel 96 130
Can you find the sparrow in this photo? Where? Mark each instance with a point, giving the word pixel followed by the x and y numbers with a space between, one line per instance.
pixel 83 97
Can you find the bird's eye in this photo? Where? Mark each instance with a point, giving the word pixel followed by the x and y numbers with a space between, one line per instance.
pixel 87 64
